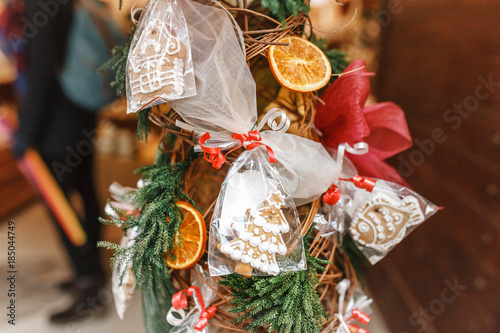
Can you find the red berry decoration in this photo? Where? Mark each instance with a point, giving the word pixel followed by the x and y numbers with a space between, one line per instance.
pixel 332 196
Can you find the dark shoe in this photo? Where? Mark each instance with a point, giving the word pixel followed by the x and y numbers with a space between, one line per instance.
pixel 82 283
pixel 89 303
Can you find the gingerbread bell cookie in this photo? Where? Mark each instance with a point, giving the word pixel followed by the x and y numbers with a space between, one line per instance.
pixel 159 64
pixel 383 215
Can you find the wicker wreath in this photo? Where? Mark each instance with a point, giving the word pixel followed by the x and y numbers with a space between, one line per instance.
pixel 202 182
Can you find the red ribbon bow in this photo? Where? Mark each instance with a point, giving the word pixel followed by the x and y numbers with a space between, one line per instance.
pixel 366 183
pixel 179 301
pixel 214 154
pixel 345 118
pixel 216 157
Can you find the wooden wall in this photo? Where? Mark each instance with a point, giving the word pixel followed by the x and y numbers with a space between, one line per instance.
pixel 435 58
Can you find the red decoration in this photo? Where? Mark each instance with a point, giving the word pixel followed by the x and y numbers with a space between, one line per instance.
pixel 345 118
pixel 216 157
pixel 366 183
pixel 179 301
pixel 360 316
pixel 214 154
pixel 332 196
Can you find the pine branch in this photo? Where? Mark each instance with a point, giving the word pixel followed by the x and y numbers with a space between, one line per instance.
pixel 283 303
pixel 281 9
pixel 156 225
pixel 143 124
pixel 118 64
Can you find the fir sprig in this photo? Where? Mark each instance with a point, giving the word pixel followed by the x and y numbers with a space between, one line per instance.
pixel 143 124
pixel 283 303
pixel 118 64
pixel 156 225
pixel 281 9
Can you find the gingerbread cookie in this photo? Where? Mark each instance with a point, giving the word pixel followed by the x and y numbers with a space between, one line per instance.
pixel 156 65
pixel 382 222
pixel 259 239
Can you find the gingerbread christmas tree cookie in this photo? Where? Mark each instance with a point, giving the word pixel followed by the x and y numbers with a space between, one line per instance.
pixel 260 239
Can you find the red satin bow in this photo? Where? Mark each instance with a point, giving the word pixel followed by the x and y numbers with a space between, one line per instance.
pixel 345 118
pixel 179 301
pixel 216 157
pixel 366 183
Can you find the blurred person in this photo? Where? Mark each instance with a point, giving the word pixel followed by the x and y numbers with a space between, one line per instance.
pixel 65 43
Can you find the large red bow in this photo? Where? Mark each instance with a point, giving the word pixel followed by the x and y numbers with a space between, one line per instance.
pixel 345 118
pixel 179 301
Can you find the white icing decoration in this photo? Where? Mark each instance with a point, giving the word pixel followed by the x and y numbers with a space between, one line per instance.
pixel 282 249
pixel 152 76
pixel 363 227
pixel 254 241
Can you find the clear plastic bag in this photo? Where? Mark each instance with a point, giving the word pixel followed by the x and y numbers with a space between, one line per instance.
pixel 187 321
pixel 382 218
pixel 255 228
pixel 159 64
pixel 123 292
pixel 122 206
pixel 330 221
pixel 356 309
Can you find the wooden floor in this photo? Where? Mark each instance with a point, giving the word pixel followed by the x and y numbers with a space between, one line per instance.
pixel 435 59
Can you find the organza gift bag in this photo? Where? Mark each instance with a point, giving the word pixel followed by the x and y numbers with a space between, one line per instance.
pixel 226 104
pixel 255 229
pixel 382 214
pixel 159 64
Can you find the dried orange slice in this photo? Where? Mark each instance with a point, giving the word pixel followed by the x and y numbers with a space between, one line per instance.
pixel 301 66
pixel 189 240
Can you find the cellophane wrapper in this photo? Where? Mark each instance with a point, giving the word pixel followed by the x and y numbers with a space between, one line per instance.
pixel 379 220
pixel 123 292
pixel 330 222
pixel 207 287
pixel 255 228
pixel 159 63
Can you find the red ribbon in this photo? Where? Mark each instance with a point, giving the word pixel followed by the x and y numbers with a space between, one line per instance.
pixel 361 317
pixel 216 157
pixel 204 317
pixel 179 301
pixel 214 154
pixel 366 183
pixel 356 329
